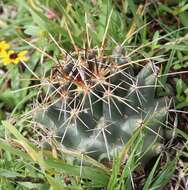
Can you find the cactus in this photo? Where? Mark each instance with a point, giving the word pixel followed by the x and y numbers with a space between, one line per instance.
pixel 96 102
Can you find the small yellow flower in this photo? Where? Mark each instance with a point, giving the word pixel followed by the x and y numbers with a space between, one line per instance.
pixel 3 47
pixel 14 57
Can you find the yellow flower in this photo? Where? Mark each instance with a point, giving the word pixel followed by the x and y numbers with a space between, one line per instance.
pixel 14 57
pixel 3 47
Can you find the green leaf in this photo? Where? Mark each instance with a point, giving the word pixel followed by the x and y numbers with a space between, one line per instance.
pixel 9 174
pixel 115 172
pixel 33 30
pixel 180 47
pixel 7 147
pixel 179 86
pixel 163 178
pixel 97 176
pixel 156 37
pixel 55 184
pixel 186 91
pixel 34 186
pixel 42 20
pixel 9 98
pixel 151 175
pixel 165 8
pixel 184 18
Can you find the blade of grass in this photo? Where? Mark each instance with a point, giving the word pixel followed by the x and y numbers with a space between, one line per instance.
pixel 163 178
pixel 151 175
pixel 98 176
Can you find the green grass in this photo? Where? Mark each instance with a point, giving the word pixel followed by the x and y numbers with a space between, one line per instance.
pixel 153 31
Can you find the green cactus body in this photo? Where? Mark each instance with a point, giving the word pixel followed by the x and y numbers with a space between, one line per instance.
pixel 99 103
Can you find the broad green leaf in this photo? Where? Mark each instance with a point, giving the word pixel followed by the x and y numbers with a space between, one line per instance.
pixel 97 176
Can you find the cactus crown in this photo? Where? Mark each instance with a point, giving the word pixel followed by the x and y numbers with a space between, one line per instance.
pixel 96 102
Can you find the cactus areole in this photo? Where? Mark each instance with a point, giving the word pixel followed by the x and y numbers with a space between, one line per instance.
pixel 97 102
